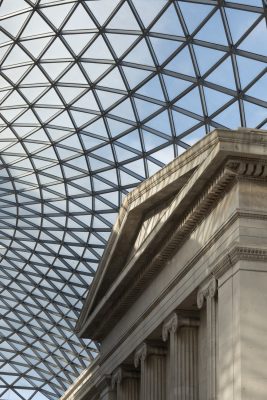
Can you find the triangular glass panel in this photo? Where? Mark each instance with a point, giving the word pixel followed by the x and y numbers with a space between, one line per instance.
pixel 27 117
pixel 256 41
pixel 168 23
pixel 108 98
pixel 82 118
pixel 74 75
pixel 98 128
pixel 121 42
pixel 54 69
pixel 87 101
pixel 160 123
pixel 57 14
pixel 14 24
pixel 194 137
pixel 164 155
pixel 36 46
pixel 255 115
pixel 182 63
pixel 239 22
pixel 164 48
pixel 3 38
pixel 36 26
pixel 77 42
pixel 140 54
pixel 16 54
pixel 113 80
pixel 123 154
pixel 8 8
pixel 223 75
pixel 124 110
pixel 135 76
pixel 146 12
pixel 9 115
pixel 90 142
pixel 105 152
pixel 132 139
pixel 152 141
pixel 248 69
pixel 258 90
pixel 15 74
pixel 124 19
pixel 94 71
pixel 4 83
pixel 213 30
pixel 182 122
pixel 98 50
pixel 50 98
pixel 35 76
pixel 56 50
pixel 145 108
pixel 175 86
pixel 45 114
pixel 72 142
pixel 191 102
pixel 14 99
pixel 80 19
pixel 152 89
pixel 102 10
pixel 137 167
pixel 117 127
pixel 215 99
pixel 70 93
pixel 127 179
pixel 62 120
pixel 194 13
pixel 230 117
pixel 207 58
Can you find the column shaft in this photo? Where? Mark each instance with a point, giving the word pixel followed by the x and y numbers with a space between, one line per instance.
pixel 207 294
pixel 182 357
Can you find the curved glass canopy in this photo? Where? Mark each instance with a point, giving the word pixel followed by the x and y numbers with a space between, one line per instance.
pixel 95 96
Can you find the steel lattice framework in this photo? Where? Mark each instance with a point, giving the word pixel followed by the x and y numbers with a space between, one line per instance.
pixel 95 96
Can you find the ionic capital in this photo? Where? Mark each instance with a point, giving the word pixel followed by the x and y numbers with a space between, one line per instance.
pixel 116 377
pixel 207 291
pixel 145 349
pixel 175 322
pixel 123 372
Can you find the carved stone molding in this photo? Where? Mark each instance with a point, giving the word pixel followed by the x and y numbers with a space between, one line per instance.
pixel 208 291
pixel 175 322
pixel 145 350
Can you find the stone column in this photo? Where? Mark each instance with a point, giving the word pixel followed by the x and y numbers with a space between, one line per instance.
pixel 152 358
pixel 126 383
pixel 182 356
pixel 106 392
pixel 207 294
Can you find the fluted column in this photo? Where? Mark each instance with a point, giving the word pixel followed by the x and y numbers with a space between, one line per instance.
pixel 152 359
pixel 206 295
pixel 126 383
pixel 182 356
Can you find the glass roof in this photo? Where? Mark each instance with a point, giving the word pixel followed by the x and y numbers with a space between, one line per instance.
pixel 95 96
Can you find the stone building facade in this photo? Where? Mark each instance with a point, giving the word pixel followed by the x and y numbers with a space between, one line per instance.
pixel 179 300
